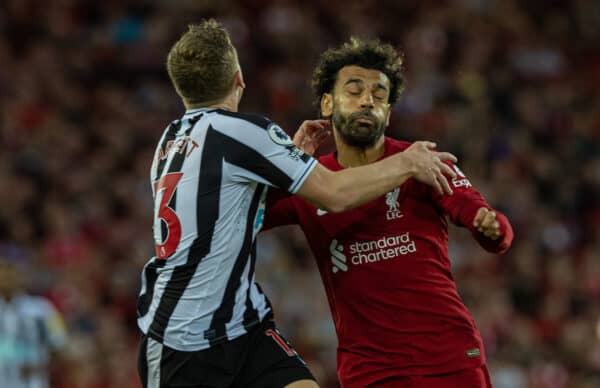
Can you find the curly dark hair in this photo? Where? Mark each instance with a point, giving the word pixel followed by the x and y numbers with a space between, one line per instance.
pixel 370 54
pixel 202 63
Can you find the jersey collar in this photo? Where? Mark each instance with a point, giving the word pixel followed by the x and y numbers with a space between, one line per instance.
pixel 330 160
pixel 196 110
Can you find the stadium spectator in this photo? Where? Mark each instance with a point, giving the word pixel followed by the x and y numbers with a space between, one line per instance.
pixel 32 332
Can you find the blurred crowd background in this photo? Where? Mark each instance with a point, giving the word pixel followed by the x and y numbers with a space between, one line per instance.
pixel 511 87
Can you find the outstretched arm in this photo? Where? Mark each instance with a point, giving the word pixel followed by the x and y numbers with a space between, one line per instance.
pixel 341 190
pixel 469 209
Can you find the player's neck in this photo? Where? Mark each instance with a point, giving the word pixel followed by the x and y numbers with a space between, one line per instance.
pixel 229 103
pixel 350 156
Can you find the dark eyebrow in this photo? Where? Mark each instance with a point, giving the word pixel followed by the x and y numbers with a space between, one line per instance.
pixel 354 80
pixel 379 86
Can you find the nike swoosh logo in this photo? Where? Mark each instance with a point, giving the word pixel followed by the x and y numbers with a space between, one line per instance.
pixel 321 212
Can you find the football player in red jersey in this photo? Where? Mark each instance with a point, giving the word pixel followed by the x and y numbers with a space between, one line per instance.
pixel 398 316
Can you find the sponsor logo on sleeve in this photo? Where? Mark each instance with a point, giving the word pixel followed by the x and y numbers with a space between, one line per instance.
pixel 461 180
pixel 296 153
pixel 279 137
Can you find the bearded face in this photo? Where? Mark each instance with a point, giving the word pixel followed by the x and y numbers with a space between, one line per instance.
pixel 358 106
pixel 359 129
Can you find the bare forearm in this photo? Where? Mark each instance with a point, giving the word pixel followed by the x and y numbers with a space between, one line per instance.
pixel 342 190
pixel 355 186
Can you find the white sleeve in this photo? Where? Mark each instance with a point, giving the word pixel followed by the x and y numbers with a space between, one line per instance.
pixel 262 152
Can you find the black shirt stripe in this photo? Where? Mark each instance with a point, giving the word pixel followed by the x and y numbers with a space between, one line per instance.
pixel 222 315
pixel 251 314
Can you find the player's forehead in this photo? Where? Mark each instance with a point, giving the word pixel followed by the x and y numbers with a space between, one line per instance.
pixel 348 74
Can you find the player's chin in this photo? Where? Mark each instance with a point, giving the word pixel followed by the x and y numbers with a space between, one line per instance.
pixel 363 131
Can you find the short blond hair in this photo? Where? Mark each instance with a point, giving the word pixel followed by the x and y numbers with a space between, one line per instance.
pixel 202 63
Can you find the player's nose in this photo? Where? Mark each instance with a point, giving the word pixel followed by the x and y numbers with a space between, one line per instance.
pixel 366 100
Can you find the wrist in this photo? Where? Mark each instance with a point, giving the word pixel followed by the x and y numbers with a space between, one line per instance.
pixel 407 165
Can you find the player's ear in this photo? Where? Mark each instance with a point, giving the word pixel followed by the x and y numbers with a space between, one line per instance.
pixel 326 105
pixel 238 84
pixel 238 79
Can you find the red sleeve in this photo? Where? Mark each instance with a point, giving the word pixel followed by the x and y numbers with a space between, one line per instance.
pixel 279 210
pixel 462 206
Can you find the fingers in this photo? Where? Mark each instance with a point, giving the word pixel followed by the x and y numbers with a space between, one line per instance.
pixel 479 216
pixel 437 185
pixel 485 221
pixel 492 233
pixel 311 134
pixel 313 128
pixel 323 134
pixel 319 136
pixel 324 123
pixel 310 127
pixel 299 137
pixel 489 220
pixel 447 156
pixel 440 169
pixel 439 182
pixel 429 166
pixel 320 129
pixel 444 183
pixel 447 170
pixel 320 125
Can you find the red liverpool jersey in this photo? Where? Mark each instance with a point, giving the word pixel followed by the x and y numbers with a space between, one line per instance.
pixel 387 276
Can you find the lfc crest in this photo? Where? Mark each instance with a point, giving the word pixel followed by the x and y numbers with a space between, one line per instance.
pixel 391 199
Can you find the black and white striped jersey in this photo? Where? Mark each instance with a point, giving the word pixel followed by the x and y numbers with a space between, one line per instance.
pixel 210 175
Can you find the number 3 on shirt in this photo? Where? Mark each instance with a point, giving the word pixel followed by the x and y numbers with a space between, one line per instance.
pixel 164 189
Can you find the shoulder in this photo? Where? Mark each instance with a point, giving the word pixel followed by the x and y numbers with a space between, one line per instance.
pixel 249 118
pixel 253 126
pixel 397 145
